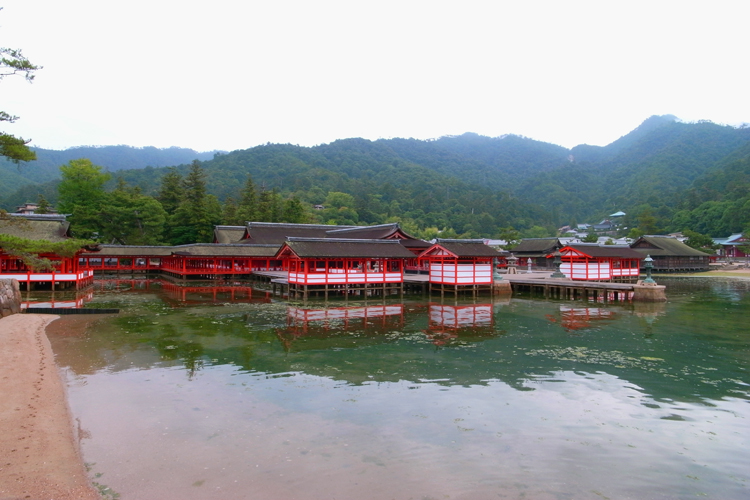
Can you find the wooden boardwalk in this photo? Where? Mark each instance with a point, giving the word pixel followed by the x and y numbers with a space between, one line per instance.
pixel 570 289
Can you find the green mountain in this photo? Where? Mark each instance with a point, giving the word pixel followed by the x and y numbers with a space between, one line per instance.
pixel 664 171
pixel 46 167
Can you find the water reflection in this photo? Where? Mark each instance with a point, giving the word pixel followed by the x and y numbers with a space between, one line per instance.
pixel 578 318
pixel 203 396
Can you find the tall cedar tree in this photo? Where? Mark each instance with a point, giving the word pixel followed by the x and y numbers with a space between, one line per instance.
pixel 247 208
pixel 193 220
pixel 229 213
pixel 170 193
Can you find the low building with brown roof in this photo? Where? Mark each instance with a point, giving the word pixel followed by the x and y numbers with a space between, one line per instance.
pixel 670 254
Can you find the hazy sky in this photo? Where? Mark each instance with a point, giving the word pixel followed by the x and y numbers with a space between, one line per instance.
pixel 232 74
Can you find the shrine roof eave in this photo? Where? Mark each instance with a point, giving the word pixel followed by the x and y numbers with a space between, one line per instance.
pixel 463 249
pixel 596 251
pixel 344 248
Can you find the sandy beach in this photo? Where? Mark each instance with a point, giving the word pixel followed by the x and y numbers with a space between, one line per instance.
pixel 39 452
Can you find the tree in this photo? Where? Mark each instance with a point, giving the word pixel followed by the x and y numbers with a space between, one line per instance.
pixel 43 206
pixel 269 206
pixel 195 217
pixel 699 241
pixel 247 208
pixel 511 237
pixel 129 217
pixel 170 191
pixel 591 237
pixel 229 213
pixel 81 194
pixel 294 211
pixel 13 62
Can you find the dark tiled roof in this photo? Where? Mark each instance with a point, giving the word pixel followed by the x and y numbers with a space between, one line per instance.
pixel 230 250
pixel 196 249
pixel 133 251
pixel 272 233
pixel 347 248
pixel 536 245
pixel 468 248
pixel 663 246
pixel 228 234
pixel 594 250
pixel 277 233
pixel 50 227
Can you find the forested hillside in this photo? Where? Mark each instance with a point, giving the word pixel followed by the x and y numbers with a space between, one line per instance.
pixel 666 175
pixel 46 167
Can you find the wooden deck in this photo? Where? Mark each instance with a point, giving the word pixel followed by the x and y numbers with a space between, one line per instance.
pixel 570 289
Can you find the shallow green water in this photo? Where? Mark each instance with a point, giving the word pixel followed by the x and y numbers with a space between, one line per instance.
pixel 219 396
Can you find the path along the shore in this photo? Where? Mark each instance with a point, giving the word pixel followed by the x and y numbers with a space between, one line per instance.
pixel 39 451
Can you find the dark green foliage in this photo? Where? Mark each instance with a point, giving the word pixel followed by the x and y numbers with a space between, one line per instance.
pixel 194 219
pixel 128 217
pixel 247 209
pixel 43 206
pixel 30 251
pixel 82 195
pixel 667 176
pixel 699 241
pixel 591 237
pixel 115 158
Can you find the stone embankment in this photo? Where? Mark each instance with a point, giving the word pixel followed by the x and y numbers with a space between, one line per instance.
pixel 10 298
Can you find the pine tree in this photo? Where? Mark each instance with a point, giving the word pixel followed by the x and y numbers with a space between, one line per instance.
pixel 247 208
pixel 192 221
pixel 294 211
pixel 43 206
pixel 229 213
pixel 170 193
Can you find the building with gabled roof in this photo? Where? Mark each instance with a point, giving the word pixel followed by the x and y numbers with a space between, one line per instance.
pixel 49 227
pixel 670 254
pixel 593 262
pixel 731 246
pixel 338 265
pixel 460 264
pixel 53 228
pixel 276 233
pixel 536 249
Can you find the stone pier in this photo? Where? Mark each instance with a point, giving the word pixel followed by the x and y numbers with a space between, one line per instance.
pixel 645 292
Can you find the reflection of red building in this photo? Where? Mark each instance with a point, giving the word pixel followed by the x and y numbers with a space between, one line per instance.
pixel 186 294
pixel 375 320
pixel 80 298
pixel 576 318
pixel 448 322
pixel 216 294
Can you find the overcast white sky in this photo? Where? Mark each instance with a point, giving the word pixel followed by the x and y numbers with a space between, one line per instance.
pixel 231 74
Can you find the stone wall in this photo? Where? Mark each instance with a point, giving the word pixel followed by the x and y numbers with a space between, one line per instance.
pixel 10 297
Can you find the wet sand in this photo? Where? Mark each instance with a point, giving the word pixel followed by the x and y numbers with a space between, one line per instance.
pixel 40 456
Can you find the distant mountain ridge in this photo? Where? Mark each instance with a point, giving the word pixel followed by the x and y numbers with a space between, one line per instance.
pixel 47 165
pixel 465 181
